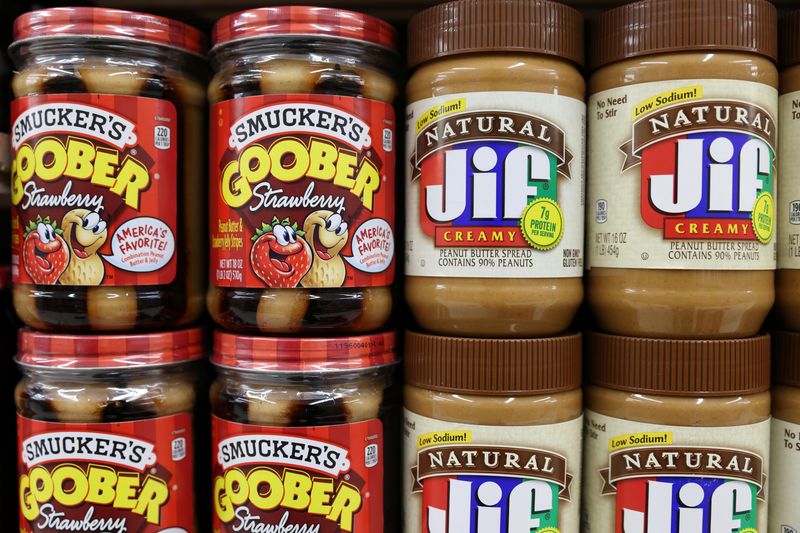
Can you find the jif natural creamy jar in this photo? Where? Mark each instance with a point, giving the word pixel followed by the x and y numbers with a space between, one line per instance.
pixel 681 178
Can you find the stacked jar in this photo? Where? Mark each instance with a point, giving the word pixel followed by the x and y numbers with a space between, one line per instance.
pixel 494 160
pixel 787 286
pixel 107 195
pixel 683 115
pixel 302 205
pixel 784 512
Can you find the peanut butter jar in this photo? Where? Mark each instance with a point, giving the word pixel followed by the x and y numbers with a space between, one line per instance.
pixel 496 425
pixel 784 515
pixel 787 283
pixel 494 179
pixel 676 433
pixel 108 170
pixel 681 199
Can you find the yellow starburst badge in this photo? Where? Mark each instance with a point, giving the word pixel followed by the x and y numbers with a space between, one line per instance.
pixel 542 223
pixel 763 217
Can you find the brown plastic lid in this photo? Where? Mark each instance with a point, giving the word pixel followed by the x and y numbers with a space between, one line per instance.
pixel 786 358
pixel 790 39
pixel 464 26
pixel 679 367
pixel 493 367
pixel 665 26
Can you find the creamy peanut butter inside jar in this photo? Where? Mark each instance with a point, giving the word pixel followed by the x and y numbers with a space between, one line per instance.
pixel 681 177
pixel 784 514
pixel 676 433
pixel 492 432
pixel 495 158
pixel 787 281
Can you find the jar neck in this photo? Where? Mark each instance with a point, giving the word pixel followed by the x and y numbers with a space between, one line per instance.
pixel 79 49
pixel 107 374
pixel 331 378
pixel 313 48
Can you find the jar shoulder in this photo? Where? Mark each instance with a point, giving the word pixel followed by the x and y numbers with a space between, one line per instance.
pixel 296 72
pixel 496 73
pixel 696 410
pixel 531 410
pixel 304 402
pixel 82 399
pixel 690 66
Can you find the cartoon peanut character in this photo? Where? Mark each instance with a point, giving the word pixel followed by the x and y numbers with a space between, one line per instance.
pixel 84 233
pixel 327 234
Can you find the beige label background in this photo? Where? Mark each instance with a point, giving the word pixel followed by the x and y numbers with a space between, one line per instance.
pixel 569 114
pixel 639 245
pixel 784 501
pixel 789 161
pixel 598 510
pixel 563 439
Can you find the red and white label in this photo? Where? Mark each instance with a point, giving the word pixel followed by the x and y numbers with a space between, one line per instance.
pixel 116 478
pixel 93 190
pixel 302 192
pixel 322 478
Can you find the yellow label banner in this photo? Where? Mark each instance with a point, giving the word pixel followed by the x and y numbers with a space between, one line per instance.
pixel 442 110
pixel 667 98
pixel 659 438
pixel 444 437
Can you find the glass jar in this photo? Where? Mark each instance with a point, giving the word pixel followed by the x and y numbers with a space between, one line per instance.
pixel 519 400
pixel 108 171
pixel 787 278
pixel 302 171
pixel 336 403
pixel 105 430
pixel 676 424
pixel 681 243
pixel 495 140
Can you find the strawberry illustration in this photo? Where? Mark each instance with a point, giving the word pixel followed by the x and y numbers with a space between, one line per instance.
pixel 44 252
pixel 280 255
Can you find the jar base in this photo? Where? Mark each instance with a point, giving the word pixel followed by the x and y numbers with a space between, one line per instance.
pixel 475 307
pixel 696 304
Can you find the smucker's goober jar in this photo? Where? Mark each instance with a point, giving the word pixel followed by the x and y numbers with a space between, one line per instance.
pixel 108 172
pixel 494 186
pixel 787 281
pixel 302 171
pixel 492 434
pixel 305 434
pixel 105 431
pixel 676 435
pixel 681 177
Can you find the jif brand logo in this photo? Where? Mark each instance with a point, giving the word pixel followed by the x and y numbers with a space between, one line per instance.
pixel 493 505
pixel 687 506
pixel 479 170
pixel 488 489
pixel 674 489
pixel 707 170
